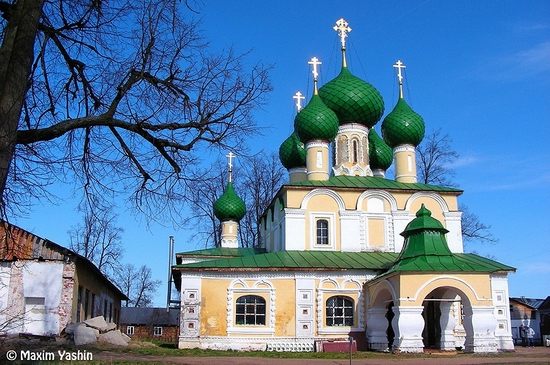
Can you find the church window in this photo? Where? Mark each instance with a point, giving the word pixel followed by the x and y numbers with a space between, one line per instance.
pixel 354 151
pixel 339 311
pixel 322 232
pixel 250 311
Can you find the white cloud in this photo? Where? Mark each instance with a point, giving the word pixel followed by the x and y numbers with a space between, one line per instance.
pixel 524 63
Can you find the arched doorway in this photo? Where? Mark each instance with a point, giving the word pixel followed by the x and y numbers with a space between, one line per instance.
pixel 443 319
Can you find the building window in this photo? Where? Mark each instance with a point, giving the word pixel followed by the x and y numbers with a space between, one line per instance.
pixel 354 151
pixel 339 311
pixel 322 232
pixel 130 330
pixel 157 331
pixel 250 311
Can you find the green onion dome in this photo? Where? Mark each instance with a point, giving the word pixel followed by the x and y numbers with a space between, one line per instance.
pixel 316 121
pixel 229 206
pixel 403 126
pixel 352 99
pixel 380 154
pixel 292 152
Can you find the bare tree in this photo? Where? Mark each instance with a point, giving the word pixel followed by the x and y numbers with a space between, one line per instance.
pixel 262 177
pixel 137 284
pixel 113 97
pixel 98 239
pixel 473 229
pixel 256 180
pixel 434 167
pixel 434 157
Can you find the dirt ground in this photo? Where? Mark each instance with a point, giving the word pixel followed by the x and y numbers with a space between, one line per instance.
pixel 533 355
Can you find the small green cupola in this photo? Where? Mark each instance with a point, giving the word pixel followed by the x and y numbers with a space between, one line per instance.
pixel 424 236
pixel 380 154
pixel 316 121
pixel 402 126
pixel 352 99
pixel 229 207
pixel 292 152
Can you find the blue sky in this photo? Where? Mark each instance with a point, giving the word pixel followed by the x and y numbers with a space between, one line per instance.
pixel 479 70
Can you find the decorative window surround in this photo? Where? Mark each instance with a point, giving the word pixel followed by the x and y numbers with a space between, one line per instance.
pixel 322 328
pixel 238 288
pixel 313 218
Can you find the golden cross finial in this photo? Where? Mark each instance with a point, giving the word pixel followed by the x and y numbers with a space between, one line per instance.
pixel 343 29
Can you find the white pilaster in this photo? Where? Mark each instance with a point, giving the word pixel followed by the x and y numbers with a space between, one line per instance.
pixel 377 325
pixel 408 324
pixel 453 222
pixel 480 325
pixel 351 237
pixel 448 323
pixel 400 220
pixel 295 229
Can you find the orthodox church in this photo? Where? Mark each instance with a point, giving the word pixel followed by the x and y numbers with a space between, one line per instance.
pixel 347 255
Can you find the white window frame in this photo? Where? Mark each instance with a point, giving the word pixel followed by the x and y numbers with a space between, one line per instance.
pixel 130 330
pixel 157 331
pixel 239 288
pixel 331 218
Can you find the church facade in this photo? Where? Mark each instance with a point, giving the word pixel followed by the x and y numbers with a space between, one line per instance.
pixel 346 254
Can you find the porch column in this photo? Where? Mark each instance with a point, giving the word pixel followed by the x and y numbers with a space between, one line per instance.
pixel 377 324
pixel 448 323
pixel 408 324
pixel 480 325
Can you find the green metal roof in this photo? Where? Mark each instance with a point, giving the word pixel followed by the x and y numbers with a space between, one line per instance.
pixel 370 182
pixel 457 262
pixel 299 260
pixel 224 252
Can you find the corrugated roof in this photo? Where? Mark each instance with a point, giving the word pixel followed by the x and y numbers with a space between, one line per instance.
pixel 370 182
pixel 149 316
pixel 456 262
pixel 299 260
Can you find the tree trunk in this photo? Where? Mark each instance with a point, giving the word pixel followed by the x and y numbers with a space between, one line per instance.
pixel 16 57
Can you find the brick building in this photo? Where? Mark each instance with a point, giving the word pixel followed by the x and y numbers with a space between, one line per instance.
pixel 44 286
pixel 150 323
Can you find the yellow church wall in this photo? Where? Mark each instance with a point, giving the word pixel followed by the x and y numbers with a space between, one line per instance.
pixel 214 307
pixel 376 233
pixel 412 289
pixel 432 205
pixel 285 315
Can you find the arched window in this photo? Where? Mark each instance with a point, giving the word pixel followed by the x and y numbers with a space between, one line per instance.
pixel 339 311
pixel 322 232
pixel 354 151
pixel 250 311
